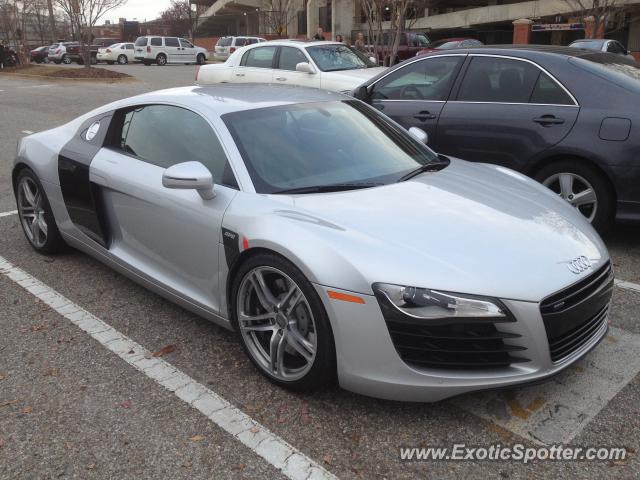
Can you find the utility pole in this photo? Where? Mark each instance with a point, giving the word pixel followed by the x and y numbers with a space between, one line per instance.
pixel 52 22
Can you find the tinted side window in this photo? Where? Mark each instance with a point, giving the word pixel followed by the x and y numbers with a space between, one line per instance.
pixel 428 79
pixel 261 57
pixel 156 41
pixel 548 91
pixel 164 136
pixel 615 47
pixel 186 43
pixel 171 42
pixel 129 46
pixel 240 42
pixel 492 79
pixel 290 57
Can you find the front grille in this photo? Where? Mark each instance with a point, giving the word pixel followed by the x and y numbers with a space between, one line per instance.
pixel 573 316
pixel 475 344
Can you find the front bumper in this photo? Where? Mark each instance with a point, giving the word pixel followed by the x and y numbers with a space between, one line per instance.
pixel 369 364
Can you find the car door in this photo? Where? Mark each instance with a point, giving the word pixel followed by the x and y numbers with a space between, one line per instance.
pixel 167 235
pixel 130 51
pixel 256 65
pixel 188 51
pixel 285 72
pixel 506 111
pixel 414 95
pixel 173 49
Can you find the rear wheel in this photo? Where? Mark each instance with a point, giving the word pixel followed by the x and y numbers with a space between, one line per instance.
pixel 122 60
pixel 201 60
pixel 282 323
pixel 66 59
pixel 161 59
pixel 583 187
pixel 35 213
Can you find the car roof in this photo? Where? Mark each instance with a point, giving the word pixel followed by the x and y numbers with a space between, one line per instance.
pixel 227 98
pixel 302 42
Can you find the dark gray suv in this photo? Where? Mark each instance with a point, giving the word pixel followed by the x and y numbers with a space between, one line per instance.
pixel 564 116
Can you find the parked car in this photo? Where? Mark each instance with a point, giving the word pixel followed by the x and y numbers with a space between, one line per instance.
pixel 39 55
pixel 121 53
pixel 11 58
pixel 410 44
pixel 603 45
pixel 450 44
pixel 74 53
pixel 330 239
pixel 58 52
pixel 329 65
pixel 164 50
pixel 99 43
pixel 227 45
pixel 561 115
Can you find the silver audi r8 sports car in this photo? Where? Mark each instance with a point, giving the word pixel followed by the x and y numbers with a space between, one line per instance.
pixel 336 244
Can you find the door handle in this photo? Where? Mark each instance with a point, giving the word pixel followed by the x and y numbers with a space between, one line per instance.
pixel 239 74
pixel 281 79
pixel 425 115
pixel 548 120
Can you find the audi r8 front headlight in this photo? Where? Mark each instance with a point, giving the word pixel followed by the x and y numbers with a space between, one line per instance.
pixel 428 304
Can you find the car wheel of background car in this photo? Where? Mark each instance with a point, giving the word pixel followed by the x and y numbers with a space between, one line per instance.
pixel 161 59
pixel 66 60
pixel 35 213
pixel 123 60
pixel 583 187
pixel 201 59
pixel 282 323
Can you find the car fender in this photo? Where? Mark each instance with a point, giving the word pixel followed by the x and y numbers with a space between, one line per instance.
pixel 215 73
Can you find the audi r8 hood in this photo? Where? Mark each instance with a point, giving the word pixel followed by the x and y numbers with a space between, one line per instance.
pixel 469 228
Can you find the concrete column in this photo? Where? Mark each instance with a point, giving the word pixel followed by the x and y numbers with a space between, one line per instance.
pixel 589 27
pixel 342 19
pixel 312 17
pixel 522 31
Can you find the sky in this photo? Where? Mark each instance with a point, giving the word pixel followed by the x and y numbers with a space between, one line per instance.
pixel 138 10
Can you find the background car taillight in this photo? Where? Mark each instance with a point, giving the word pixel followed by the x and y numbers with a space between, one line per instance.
pixel 232 49
pixel 148 49
pixel 57 51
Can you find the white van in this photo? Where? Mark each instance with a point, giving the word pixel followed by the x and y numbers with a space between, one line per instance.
pixel 227 45
pixel 162 50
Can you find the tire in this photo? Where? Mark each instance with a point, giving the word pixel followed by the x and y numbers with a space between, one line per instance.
pixel 36 216
pixel 122 60
pixel 584 177
pixel 303 327
pixel 110 62
pixel 66 59
pixel 161 59
pixel 201 59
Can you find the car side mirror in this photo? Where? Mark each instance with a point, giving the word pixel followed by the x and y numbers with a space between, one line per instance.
pixel 419 134
pixel 362 93
pixel 373 59
pixel 305 67
pixel 190 176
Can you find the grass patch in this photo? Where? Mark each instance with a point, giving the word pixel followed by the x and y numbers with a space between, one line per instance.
pixel 92 73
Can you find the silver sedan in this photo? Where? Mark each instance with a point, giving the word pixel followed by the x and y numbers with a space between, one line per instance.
pixel 335 243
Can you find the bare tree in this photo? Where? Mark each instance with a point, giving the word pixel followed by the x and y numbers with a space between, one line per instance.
pixel 602 11
pixel 182 17
pixel 39 20
pixel 278 15
pixel 83 16
pixel 52 21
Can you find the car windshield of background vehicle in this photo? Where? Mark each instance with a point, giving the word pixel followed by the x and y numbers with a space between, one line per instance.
pixel 332 58
pixel 323 144
pixel 619 70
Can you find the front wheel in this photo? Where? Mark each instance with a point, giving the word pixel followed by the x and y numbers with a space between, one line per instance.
pixel 201 60
pixel 282 324
pixel 161 59
pixel 583 187
pixel 36 216
pixel 123 60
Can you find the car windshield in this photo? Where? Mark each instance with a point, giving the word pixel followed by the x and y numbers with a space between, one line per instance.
pixel 621 71
pixel 341 144
pixel 332 58
pixel 588 44
pixel 445 45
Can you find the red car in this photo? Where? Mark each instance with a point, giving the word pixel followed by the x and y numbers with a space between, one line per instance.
pixel 449 43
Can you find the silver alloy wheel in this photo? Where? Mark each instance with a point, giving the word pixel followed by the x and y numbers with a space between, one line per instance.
pixel 31 211
pixel 276 323
pixel 66 60
pixel 162 59
pixel 122 59
pixel 576 190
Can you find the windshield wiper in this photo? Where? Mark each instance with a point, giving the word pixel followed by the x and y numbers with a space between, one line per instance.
pixel 336 187
pixel 427 167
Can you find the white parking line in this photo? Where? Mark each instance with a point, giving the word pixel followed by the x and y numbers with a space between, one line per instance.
pixel 35 86
pixel 628 285
pixel 8 214
pixel 286 458
pixel 557 411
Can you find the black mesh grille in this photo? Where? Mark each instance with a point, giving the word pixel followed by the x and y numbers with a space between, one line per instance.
pixel 471 345
pixel 574 315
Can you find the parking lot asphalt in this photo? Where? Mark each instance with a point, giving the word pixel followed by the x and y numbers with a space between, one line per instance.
pixel 71 408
